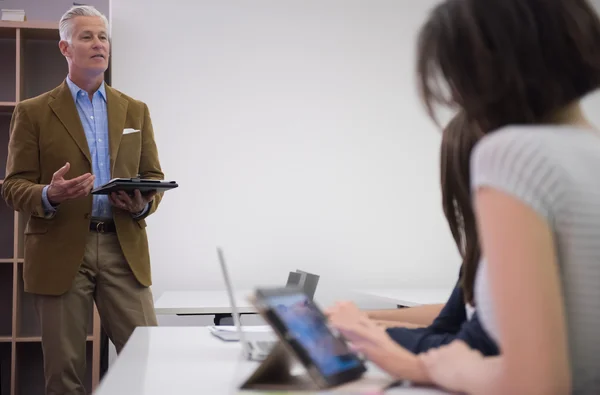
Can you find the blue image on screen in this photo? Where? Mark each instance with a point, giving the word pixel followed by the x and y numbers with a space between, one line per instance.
pixel 307 325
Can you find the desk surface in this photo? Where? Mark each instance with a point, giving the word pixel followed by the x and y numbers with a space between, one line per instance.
pixel 201 302
pixel 190 361
pixel 409 296
pixel 217 302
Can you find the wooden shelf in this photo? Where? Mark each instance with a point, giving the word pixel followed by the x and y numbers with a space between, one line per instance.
pixel 41 25
pixel 30 64
pixel 29 29
pixel 38 339
pixel 28 339
pixel 7 106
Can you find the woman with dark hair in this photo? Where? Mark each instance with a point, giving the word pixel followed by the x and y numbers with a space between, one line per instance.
pixel 518 68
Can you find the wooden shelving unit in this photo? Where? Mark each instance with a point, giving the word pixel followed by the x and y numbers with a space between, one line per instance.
pixel 30 64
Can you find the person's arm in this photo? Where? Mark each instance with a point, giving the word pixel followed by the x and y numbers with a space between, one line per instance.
pixel 419 315
pixel 149 163
pixel 517 194
pixel 49 208
pixel 528 306
pixel 21 188
pixel 527 298
pixel 450 325
pixel 423 339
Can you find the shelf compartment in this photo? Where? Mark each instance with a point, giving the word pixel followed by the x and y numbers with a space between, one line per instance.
pixel 8 67
pixel 43 66
pixel 6 300
pixel 7 231
pixel 7 107
pixel 28 322
pixel 4 136
pixel 30 368
pixel 5 364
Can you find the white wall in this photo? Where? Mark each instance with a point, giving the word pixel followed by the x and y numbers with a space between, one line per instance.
pixel 294 130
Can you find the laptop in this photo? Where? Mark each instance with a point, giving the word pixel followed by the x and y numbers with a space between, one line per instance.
pixel 305 280
pixel 255 345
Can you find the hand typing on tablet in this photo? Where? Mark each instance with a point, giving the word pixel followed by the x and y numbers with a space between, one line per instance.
pixel 134 204
pixel 371 339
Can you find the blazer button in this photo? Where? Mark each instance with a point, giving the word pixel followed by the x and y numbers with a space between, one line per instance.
pixel 86 216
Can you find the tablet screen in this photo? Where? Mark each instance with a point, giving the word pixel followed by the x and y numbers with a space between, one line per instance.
pixel 307 325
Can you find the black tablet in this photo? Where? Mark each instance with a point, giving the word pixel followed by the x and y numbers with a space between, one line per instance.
pixel 299 323
pixel 129 185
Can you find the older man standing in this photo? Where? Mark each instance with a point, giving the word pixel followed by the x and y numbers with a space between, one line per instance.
pixel 80 247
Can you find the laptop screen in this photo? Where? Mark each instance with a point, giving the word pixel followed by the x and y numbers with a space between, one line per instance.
pixel 307 325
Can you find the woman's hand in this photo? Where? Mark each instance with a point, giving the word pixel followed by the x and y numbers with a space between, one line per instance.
pixel 371 339
pixel 446 366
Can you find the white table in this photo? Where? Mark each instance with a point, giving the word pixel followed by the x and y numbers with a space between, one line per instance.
pixel 202 302
pixel 409 297
pixel 190 361
pixel 216 302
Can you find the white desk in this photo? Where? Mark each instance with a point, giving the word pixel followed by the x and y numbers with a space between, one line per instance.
pixel 201 302
pixel 189 361
pixel 409 297
pixel 217 302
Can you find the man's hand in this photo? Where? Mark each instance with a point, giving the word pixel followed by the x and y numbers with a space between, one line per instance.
pixel 61 189
pixel 134 205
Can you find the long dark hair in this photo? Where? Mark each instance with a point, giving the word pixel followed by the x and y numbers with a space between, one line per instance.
pixel 458 139
pixel 508 61
pixel 502 62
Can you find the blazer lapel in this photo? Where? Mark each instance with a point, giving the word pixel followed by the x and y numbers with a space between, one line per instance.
pixel 117 113
pixel 64 108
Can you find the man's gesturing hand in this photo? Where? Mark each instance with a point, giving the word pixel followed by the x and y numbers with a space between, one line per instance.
pixel 61 189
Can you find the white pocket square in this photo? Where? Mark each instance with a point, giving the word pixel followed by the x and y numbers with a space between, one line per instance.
pixel 129 130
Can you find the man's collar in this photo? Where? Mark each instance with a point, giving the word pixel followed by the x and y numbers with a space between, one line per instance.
pixel 75 89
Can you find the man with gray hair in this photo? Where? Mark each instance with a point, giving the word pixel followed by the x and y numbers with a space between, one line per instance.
pixel 81 247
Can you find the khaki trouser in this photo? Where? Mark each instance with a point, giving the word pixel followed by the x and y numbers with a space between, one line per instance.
pixel 123 304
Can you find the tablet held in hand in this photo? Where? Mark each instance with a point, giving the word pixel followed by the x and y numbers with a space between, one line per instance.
pixel 129 185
